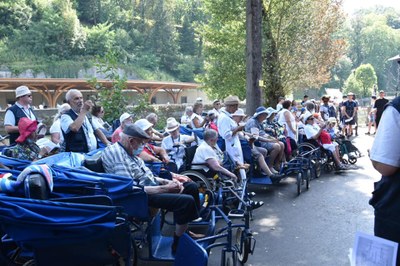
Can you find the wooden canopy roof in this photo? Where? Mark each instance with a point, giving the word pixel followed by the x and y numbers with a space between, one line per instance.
pixel 52 88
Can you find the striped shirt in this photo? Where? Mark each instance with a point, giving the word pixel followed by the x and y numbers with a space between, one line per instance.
pixel 117 161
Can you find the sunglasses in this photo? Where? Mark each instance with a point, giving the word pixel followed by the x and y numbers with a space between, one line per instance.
pixel 29 95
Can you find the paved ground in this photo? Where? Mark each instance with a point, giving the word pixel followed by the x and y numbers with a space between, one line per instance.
pixel 317 227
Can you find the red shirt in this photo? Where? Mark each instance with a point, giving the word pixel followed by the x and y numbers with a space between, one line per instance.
pixel 325 138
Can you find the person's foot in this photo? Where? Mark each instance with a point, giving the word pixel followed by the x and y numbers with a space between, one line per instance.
pixel 374 133
pixel 341 167
pixel 194 235
pixel 367 133
pixel 256 204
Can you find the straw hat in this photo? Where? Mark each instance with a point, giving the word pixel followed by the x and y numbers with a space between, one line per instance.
pixel 22 91
pixel 172 124
pixel 239 112
pixel 231 100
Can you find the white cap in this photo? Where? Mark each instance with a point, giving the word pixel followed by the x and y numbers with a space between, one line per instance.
pixel 199 99
pixel 22 91
pixel 123 117
pixel 144 124
pixel 239 112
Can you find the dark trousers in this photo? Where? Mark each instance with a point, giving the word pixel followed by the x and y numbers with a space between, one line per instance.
pixel 185 206
pixel 388 228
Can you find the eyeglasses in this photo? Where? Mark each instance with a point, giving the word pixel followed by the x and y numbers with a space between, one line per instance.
pixel 29 95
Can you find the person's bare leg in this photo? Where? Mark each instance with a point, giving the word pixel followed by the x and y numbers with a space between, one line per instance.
pixel 263 165
pixel 180 229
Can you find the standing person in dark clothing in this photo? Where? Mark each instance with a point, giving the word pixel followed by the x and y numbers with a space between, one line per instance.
pixel 349 112
pixel 385 157
pixel 21 108
pixel 380 106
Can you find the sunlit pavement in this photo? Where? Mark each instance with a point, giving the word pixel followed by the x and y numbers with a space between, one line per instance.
pixel 317 227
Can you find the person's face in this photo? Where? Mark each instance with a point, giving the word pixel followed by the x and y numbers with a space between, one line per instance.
pixel 217 105
pixel 213 142
pixel 232 108
pixel 149 132
pixel 310 120
pixel 237 118
pixel 135 143
pixel 262 117
pixel 199 110
pixel 350 97
pixel 101 113
pixel 382 94
pixel 127 121
pixel 76 101
pixel 26 99
pixel 175 133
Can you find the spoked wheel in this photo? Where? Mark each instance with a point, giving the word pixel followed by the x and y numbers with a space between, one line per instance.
pixel 299 181
pixel 133 259
pixel 308 178
pixel 30 263
pixel 344 161
pixel 316 169
pixel 229 258
pixel 202 182
pixel 352 160
pixel 243 243
pixel 328 168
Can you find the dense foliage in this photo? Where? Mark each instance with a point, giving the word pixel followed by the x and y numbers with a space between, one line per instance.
pixel 155 39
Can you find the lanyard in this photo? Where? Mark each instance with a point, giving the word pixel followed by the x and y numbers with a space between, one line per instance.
pixel 29 114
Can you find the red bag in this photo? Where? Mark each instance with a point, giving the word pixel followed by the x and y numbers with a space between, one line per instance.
pixel 288 147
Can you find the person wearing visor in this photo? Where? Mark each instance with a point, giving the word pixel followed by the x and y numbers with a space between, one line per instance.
pixel 181 198
pixel 21 108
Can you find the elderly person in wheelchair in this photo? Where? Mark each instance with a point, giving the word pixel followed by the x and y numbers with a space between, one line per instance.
pixel 320 136
pixel 175 143
pixel 182 198
pixel 208 153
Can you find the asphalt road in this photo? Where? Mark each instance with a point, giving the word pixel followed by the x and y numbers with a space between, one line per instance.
pixel 316 228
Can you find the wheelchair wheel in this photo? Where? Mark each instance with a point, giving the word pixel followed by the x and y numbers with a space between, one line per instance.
pixel 202 182
pixel 30 263
pixel 316 169
pixel 299 181
pixel 308 178
pixel 344 161
pixel 352 160
pixel 243 245
pixel 328 168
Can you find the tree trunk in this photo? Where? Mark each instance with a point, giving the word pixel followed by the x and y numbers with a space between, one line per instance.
pixel 272 78
pixel 253 55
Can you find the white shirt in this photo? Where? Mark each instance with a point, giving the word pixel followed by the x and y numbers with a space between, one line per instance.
pixel 201 119
pixel 311 130
pixel 56 128
pixel 282 121
pixel 205 152
pixel 88 129
pixel 9 118
pixel 386 146
pixel 176 154
pixel 226 125
pixel 185 120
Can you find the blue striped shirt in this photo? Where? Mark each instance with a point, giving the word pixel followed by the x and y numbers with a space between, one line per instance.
pixel 117 161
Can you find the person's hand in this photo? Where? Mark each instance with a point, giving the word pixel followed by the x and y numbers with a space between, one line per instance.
pixel 174 187
pixel 165 160
pixel 44 151
pixel 181 178
pixel 87 106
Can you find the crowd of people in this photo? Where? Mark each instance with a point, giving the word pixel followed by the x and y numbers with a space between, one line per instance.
pixel 271 133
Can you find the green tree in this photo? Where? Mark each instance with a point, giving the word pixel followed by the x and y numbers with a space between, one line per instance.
pixel 224 45
pixel 301 44
pixel 365 75
pixel 111 98
pixel 352 85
